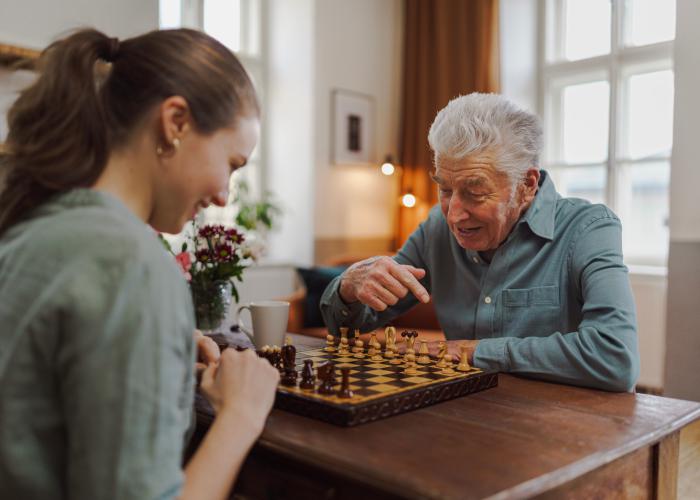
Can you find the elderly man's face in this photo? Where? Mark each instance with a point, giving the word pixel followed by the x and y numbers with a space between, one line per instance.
pixel 478 201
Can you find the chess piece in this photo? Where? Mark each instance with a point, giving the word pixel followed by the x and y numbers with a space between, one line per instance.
pixel 390 342
pixel 308 378
pixel 442 350
pixel 277 358
pixel 463 359
pixel 344 392
pixel 343 347
pixel 330 343
pixel 343 350
pixel 289 372
pixel 377 349
pixel 287 340
pixel 326 378
pixel 424 358
pixel 448 370
pixel 410 337
pixel 359 349
pixel 410 364
pixel 371 350
pixel 395 359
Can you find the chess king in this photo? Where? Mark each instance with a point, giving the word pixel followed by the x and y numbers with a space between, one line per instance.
pixel 532 282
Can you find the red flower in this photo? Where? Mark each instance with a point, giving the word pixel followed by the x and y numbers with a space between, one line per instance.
pixel 185 262
pixel 203 256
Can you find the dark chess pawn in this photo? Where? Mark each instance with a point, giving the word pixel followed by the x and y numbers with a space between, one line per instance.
pixel 308 378
pixel 325 374
pixel 344 391
pixel 277 358
pixel 289 372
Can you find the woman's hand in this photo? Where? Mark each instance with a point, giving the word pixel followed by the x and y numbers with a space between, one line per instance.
pixel 207 352
pixel 243 384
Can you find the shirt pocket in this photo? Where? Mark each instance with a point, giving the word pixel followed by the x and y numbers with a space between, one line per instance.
pixel 531 312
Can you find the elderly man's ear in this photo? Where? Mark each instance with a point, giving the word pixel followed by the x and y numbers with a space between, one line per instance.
pixel 530 184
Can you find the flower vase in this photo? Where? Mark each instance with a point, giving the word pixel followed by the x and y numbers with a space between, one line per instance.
pixel 212 301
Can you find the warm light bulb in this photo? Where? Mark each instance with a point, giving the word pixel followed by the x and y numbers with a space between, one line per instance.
pixel 387 168
pixel 408 200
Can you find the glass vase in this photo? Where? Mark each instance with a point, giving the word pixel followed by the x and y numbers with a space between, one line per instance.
pixel 212 301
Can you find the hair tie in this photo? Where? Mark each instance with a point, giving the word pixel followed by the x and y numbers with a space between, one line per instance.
pixel 113 49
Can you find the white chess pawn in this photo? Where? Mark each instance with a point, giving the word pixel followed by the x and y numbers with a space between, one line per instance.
pixel 330 343
pixel 410 364
pixel 448 370
pixel 424 358
pixel 463 359
pixel 359 349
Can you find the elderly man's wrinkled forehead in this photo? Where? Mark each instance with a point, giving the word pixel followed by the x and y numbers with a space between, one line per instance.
pixel 482 164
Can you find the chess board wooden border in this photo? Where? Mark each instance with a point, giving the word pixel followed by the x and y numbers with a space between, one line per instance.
pixel 385 405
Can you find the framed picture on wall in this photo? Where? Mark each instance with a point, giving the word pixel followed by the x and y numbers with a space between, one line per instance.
pixel 353 128
pixel 16 72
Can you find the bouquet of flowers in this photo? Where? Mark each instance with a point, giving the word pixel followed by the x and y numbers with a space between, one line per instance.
pixel 211 258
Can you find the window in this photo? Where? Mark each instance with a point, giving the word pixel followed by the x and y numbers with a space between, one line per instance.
pixel 607 94
pixel 238 25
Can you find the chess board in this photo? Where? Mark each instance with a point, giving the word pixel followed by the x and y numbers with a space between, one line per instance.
pixel 380 389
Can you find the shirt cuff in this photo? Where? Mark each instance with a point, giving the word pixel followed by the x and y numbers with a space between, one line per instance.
pixel 341 311
pixel 492 355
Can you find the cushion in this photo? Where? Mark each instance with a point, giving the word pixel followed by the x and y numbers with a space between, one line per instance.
pixel 316 279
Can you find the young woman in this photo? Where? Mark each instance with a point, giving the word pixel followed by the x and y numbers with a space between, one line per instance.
pixel 96 339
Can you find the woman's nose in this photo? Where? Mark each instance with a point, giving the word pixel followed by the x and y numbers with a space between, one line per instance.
pixel 220 198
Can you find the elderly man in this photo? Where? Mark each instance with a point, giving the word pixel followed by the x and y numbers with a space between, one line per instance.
pixel 534 283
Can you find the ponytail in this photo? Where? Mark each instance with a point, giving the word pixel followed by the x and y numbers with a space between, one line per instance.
pixel 91 94
pixel 57 134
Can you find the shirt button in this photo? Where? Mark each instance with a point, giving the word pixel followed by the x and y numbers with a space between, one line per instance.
pixel 345 313
pixel 475 259
pixel 487 300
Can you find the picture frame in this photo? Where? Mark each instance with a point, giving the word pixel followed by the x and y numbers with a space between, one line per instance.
pixel 17 70
pixel 353 128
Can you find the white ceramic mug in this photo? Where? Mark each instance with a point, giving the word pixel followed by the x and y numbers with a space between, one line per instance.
pixel 270 319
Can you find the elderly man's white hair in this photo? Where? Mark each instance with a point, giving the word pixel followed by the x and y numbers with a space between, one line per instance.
pixel 473 123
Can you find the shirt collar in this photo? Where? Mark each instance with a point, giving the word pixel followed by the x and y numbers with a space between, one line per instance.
pixel 540 216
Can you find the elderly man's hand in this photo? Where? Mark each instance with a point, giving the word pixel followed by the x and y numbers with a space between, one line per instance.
pixel 380 282
pixel 207 351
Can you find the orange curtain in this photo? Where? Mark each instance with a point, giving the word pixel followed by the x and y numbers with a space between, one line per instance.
pixel 450 49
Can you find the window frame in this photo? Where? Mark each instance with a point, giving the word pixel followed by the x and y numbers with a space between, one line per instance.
pixel 616 67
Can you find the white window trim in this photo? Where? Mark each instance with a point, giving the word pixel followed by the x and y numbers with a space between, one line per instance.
pixel 613 67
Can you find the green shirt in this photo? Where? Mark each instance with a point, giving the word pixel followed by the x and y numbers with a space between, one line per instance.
pixel 96 355
pixel 554 302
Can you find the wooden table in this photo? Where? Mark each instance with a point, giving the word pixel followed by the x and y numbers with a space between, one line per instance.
pixel 522 439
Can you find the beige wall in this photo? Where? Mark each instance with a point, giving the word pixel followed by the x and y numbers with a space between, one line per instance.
pixel 35 23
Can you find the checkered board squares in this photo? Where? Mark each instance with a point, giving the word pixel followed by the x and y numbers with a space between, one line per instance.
pixel 369 380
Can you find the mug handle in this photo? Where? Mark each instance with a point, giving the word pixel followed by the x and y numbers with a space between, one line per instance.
pixel 241 325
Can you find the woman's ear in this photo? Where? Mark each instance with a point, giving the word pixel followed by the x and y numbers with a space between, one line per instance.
pixel 174 119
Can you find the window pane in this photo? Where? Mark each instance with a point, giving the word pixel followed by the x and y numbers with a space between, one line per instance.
pixel 643 208
pixel 649 21
pixel 170 13
pixel 253 23
pixel 585 122
pixel 587 31
pixel 222 20
pixel 580 182
pixel 649 115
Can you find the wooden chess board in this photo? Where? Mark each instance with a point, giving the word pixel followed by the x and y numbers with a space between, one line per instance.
pixel 380 389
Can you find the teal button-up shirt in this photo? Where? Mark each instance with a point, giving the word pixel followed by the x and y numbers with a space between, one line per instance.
pixel 554 302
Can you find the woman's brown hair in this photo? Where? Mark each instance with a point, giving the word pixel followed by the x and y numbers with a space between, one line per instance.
pixel 93 91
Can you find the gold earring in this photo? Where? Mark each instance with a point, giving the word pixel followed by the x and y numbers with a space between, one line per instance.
pixel 159 151
pixel 176 143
